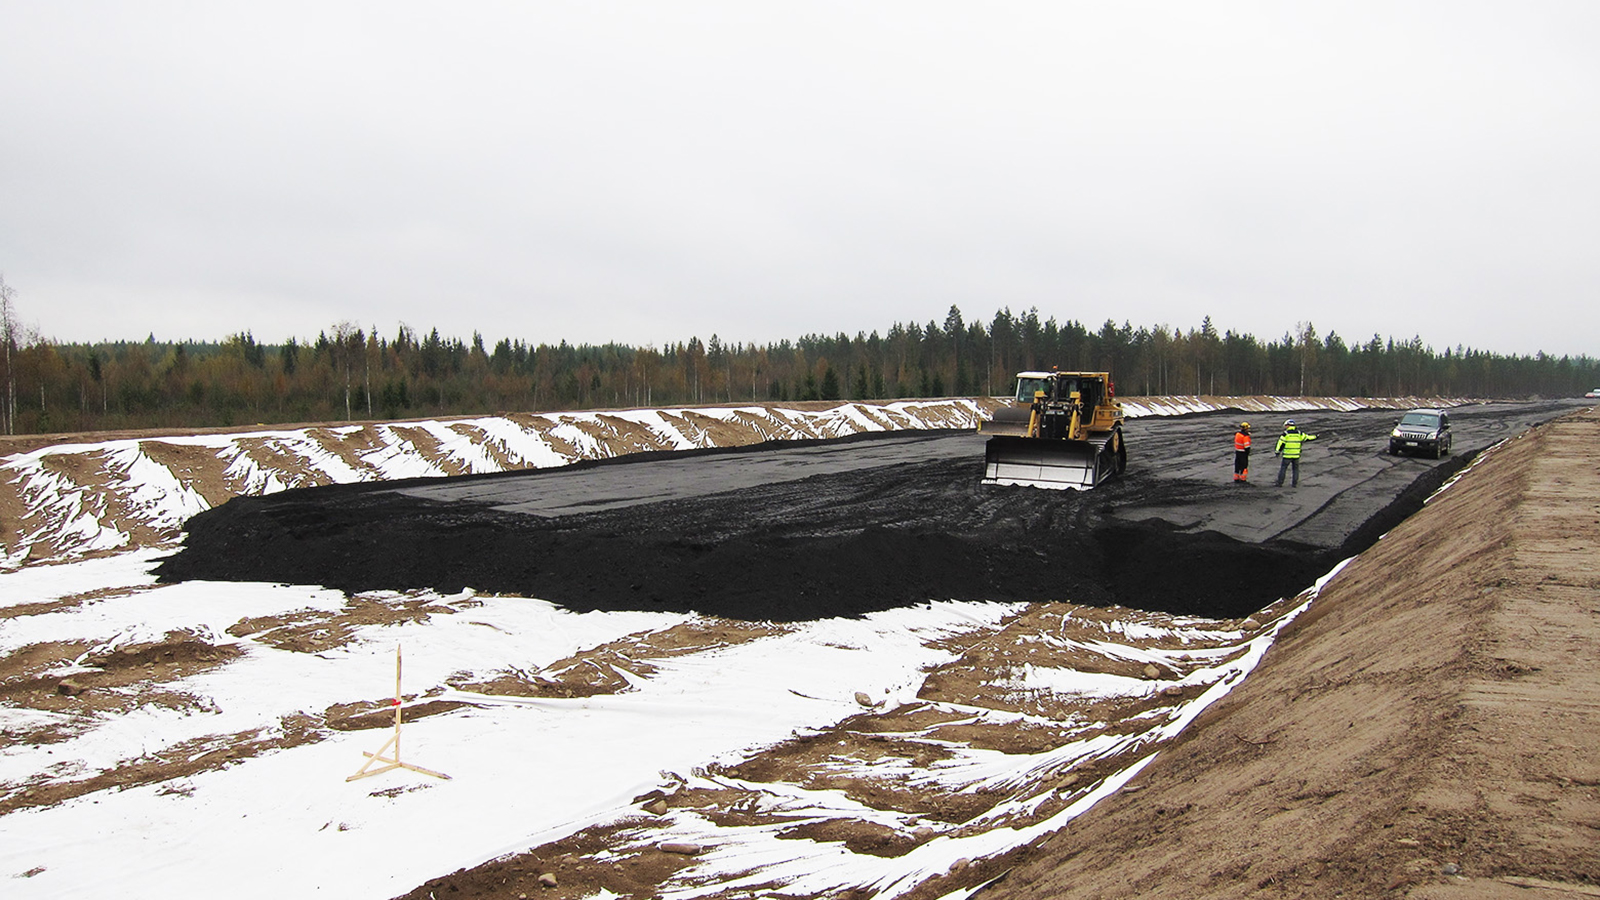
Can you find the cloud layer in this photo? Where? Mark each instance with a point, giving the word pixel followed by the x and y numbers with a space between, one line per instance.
pixel 643 172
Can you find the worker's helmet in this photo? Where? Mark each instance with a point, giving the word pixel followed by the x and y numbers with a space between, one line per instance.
pixel 1244 427
pixel 1288 425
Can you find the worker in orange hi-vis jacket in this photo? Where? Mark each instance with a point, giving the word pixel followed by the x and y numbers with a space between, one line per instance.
pixel 1241 453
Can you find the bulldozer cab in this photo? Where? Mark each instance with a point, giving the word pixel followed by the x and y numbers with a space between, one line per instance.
pixel 1060 386
pixel 1029 385
pixel 1088 392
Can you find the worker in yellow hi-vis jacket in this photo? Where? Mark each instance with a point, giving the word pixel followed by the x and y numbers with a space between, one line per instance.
pixel 1289 444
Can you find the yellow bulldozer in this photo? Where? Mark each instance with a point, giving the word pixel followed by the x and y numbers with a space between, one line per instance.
pixel 1063 431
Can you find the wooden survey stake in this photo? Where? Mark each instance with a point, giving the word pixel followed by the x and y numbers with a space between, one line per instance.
pixel 392 762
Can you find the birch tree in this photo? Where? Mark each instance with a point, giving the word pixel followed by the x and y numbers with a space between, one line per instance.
pixel 9 331
pixel 346 339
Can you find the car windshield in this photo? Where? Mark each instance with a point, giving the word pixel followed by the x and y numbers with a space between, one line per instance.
pixel 1425 420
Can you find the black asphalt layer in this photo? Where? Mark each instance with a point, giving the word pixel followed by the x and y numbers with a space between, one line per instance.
pixel 807 530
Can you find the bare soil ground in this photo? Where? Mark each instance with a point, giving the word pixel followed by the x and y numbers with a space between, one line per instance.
pixel 1427 730
pixel 626 858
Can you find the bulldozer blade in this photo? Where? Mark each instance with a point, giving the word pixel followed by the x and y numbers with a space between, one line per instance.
pixel 1045 463
pixel 1004 429
pixel 1006 421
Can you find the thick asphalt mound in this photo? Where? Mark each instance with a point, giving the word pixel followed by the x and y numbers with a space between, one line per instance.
pixel 829 545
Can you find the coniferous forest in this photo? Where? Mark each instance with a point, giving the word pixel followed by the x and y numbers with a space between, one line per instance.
pixel 352 373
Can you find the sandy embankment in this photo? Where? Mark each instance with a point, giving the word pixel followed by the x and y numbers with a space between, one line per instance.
pixel 1427 729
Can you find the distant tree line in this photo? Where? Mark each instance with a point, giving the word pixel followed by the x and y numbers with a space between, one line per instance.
pixel 352 373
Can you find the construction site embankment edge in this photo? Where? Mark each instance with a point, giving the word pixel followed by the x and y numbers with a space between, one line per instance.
pixel 1419 731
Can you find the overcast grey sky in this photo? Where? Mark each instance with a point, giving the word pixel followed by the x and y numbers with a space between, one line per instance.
pixel 647 171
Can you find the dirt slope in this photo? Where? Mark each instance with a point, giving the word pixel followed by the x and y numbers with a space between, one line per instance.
pixel 1426 730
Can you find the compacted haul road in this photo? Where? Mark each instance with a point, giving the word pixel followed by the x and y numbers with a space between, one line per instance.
pixel 799 531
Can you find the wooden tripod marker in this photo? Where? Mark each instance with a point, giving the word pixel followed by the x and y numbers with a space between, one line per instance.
pixel 392 762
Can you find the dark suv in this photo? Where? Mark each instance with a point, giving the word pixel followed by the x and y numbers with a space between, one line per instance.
pixel 1423 432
